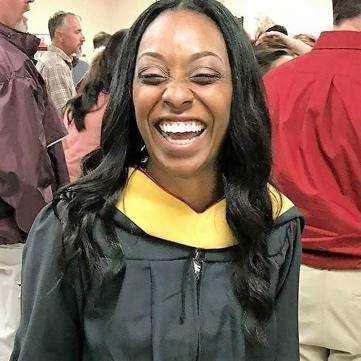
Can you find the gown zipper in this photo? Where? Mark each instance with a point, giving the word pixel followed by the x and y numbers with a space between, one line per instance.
pixel 198 264
pixel 198 267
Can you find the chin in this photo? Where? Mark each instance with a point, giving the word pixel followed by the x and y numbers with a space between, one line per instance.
pixel 185 168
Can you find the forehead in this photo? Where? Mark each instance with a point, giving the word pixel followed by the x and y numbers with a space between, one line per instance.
pixel 72 22
pixel 183 31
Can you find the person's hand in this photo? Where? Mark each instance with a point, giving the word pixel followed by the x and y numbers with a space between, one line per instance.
pixel 272 36
pixel 295 45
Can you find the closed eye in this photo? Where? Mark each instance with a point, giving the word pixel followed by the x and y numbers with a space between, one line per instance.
pixel 151 78
pixel 205 78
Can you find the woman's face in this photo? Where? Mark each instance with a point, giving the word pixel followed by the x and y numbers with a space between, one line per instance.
pixel 182 93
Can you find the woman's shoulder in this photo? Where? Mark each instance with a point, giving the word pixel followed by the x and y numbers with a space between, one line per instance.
pixel 94 118
pixel 44 246
pixel 50 215
pixel 45 232
pixel 288 224
pixel 283 208
pixel 103 99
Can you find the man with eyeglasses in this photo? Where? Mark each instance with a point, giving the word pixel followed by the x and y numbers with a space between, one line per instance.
pixel 32 162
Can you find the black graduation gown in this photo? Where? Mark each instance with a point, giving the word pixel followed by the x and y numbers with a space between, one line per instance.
pixel 167 301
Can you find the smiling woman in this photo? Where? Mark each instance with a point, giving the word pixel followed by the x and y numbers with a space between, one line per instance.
pixel 182 92
pixel 172 245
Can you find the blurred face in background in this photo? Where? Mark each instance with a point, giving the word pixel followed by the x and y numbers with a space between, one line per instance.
pixel 12 11
pixel 69 37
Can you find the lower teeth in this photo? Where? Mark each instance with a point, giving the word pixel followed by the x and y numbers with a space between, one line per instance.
pixel 178 141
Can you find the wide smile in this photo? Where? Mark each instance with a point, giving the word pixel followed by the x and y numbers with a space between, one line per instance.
pixel 181 133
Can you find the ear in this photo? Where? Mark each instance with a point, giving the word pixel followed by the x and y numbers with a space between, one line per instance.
pixel 58 35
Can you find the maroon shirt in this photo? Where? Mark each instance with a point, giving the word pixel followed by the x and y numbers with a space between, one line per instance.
pixel 32 163
pixel 315 103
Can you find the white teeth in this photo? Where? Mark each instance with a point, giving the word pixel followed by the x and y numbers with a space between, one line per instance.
pixel 180 141
pixel 181 127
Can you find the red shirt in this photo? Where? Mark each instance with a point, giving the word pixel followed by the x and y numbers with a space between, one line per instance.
pixel 315 104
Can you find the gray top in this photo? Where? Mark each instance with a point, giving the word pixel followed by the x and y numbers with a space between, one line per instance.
pixel 79 70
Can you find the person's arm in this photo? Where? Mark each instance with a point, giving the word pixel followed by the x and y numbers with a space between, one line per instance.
pixel 51 305
pixel 25 167
pixel 296 46
pixel 59 84
pixel 80 143
pixel 56 132
pixel 286 303
pixel 61 174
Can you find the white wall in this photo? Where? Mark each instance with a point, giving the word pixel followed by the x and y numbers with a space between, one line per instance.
pixel 299 16
pixel 124 12
pixel 97 15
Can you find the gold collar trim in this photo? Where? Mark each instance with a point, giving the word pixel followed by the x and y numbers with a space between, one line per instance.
pixel 162 215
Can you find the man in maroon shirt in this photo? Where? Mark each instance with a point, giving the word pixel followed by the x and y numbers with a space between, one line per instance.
pixel 315 104
pixel 32 162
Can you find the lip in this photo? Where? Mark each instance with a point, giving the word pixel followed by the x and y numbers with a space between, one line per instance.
pixel 180 150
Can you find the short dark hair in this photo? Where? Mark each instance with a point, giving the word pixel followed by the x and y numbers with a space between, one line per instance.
pixel 101 39
pixel 345 9
pixel 279 28
pixel 56 21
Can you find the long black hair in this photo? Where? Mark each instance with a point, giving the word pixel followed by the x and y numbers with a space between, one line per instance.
pixel 97 80
pixel 245 161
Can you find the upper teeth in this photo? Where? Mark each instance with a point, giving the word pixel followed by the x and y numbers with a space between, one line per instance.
pixel 181 127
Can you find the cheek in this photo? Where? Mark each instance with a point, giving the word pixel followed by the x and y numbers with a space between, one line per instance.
pixel 142 108
pixel 145 99
pixel 220 107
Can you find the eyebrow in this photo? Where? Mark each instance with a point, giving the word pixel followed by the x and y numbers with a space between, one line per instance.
pixel 203 54
pixel 194 57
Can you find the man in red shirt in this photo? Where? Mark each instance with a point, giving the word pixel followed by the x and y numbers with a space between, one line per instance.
pixel 315 104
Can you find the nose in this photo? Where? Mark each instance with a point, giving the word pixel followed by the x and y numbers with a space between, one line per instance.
pixel 177 97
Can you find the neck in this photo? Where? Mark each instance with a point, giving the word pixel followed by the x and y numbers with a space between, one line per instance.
pixel 198 191
pixel 58 45
pixel 353 24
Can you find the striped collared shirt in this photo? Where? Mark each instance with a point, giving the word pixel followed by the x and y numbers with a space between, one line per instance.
pixel 55 67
